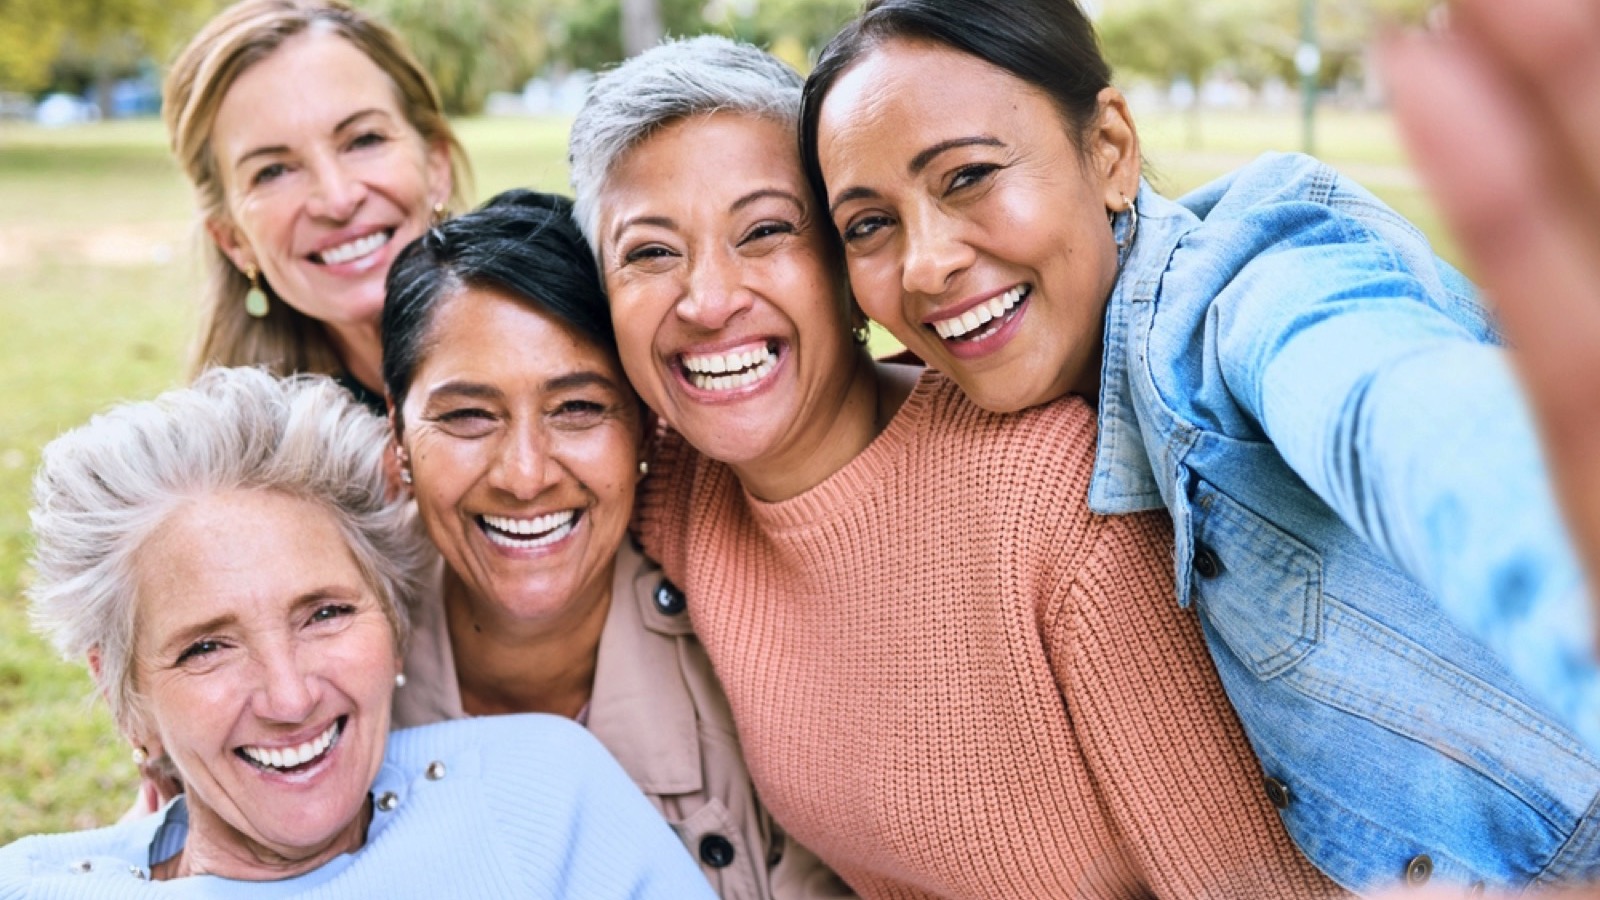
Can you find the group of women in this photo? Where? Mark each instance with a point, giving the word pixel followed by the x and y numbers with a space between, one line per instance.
pixel 1158 577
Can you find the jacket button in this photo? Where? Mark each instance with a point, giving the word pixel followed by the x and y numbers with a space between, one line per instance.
pixel 1278 793
pixel 715 851
pixel 1206 564
pixel 1419 870
pixel 669 599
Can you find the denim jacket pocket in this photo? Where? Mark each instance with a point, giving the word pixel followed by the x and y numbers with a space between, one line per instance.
pixel 1260 587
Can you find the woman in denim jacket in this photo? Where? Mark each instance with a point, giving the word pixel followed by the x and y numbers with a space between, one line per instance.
pixel 1362 517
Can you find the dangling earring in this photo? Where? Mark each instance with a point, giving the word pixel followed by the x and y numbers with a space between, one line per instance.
pixel 1129 232
pixel 140 756
pixel 255 300
pixel 405 464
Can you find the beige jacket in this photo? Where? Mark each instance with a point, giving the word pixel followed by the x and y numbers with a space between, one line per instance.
pixel 658 708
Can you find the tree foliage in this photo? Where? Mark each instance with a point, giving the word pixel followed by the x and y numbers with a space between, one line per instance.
pixel 473 47
pixel 106 38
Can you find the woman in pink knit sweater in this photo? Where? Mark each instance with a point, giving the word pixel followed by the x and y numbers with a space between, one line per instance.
pixel 950 678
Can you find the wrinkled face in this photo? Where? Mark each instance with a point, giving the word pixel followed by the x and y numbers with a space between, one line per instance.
pixel 523 439
pixel 324 178
pixel 728 303
pixel 974 229
pixel 264 665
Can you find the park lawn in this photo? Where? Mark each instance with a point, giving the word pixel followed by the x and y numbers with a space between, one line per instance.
pixel 98 287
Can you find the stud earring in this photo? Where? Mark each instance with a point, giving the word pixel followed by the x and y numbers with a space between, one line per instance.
pixel 399 679
pixel 438 213
pixel 255 300
pixel 644 467
pixel 140 756
pixel 405 474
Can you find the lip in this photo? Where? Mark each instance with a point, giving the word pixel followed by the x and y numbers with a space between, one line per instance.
pixel 682 377
pixel 544 538
pixel 361 264
pixel 992 342
pixel 307 771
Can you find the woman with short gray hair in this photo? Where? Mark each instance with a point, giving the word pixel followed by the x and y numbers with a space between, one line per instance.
pixel 229 560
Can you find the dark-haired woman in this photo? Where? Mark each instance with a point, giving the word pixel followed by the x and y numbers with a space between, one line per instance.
pixel 1280 362
pixel 520 439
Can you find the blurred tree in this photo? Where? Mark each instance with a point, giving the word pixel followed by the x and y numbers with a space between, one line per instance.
pixel 793 28
pixel 587 34
pixel 1168 40
pixel 101 40
pixel 641 25
pixel 472 47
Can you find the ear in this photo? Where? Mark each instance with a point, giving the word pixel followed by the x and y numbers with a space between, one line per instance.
pixel 1113 145
pixel 441 180
pixel 132 729
pixel 227 238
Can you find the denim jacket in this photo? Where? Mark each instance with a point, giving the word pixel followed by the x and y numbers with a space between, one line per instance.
pixel 1364 523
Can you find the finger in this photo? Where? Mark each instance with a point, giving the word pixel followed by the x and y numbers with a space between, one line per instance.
pixel 1548 53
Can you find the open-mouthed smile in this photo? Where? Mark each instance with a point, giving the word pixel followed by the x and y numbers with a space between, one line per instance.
pixel 985 319
pixel 730 370
pixel 529 534
pixel 350 251
pixel 296 758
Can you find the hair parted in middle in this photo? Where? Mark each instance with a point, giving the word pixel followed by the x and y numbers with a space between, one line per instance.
pixel 672 80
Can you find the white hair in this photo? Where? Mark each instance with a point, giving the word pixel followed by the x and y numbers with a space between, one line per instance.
pixel 673 80
pixel 105 487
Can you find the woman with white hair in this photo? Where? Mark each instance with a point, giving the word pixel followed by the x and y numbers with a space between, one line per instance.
pixel 229 561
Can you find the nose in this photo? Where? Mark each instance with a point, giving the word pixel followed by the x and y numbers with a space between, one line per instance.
pixel 715 294
pixel 522 466
pixel 336 193
pixel 286 692
pixel 934 253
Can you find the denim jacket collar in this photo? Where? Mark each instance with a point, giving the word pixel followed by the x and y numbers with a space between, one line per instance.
pixel 1123 481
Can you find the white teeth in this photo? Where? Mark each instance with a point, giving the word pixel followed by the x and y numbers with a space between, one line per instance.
pixel 530 533
pixel 980 315
pixel 289 757
pixel 355 249
pixel 743 369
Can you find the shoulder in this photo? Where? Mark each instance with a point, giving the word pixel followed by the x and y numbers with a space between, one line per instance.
pixel 64 859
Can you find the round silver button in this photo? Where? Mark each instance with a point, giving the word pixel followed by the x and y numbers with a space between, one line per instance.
pixel 388 800
pixel 435 770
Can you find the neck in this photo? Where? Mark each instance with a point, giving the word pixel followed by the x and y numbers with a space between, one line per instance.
pixel 507 665
pixel 838 432
pixel 360 349
pixel 213 847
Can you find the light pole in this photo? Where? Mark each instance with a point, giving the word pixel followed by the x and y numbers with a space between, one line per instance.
pixel 1308 62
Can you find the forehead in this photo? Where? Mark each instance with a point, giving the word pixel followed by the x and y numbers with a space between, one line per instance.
pixel 706 159
pixel 304 88
pixel 490 336
pixel 244 553
pixel 914 93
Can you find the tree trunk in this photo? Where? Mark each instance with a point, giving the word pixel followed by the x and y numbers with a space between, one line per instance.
pixel 641 26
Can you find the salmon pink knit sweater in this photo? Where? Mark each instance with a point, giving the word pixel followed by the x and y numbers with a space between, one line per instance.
pixel 953 680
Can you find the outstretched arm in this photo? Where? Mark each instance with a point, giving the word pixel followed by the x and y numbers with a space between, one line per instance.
pixel 1503 119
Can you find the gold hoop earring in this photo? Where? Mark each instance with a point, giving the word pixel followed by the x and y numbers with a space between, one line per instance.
pixel 1125 235
pixel 255 299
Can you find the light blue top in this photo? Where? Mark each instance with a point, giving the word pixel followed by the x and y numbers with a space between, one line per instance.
pixel 522 806
pixel 1364 522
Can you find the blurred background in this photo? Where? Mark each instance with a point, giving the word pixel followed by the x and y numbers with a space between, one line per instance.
pixel 99 284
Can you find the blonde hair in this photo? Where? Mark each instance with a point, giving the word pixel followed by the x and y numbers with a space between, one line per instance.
pixel 286 340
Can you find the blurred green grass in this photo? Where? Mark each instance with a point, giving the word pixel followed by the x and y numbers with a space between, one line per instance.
pixel 98 282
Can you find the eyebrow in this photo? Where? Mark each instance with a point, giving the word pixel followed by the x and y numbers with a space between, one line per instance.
pixel 586 378
pixel 471 389
pixel 766 194
pixel 917 165
pixel 276 149
pixel 187 635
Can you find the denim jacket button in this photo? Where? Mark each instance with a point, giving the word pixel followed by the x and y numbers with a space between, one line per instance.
pixel 1206 564
pixel 1278 793
pixel 1419 870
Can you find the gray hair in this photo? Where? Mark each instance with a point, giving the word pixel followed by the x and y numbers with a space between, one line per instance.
pixel 673 80
pixel 105 487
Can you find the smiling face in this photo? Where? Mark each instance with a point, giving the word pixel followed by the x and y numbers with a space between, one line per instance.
pixel 264 667
pixel 729 306
pixel 324 179
pixel 975 230
pixel 523 440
